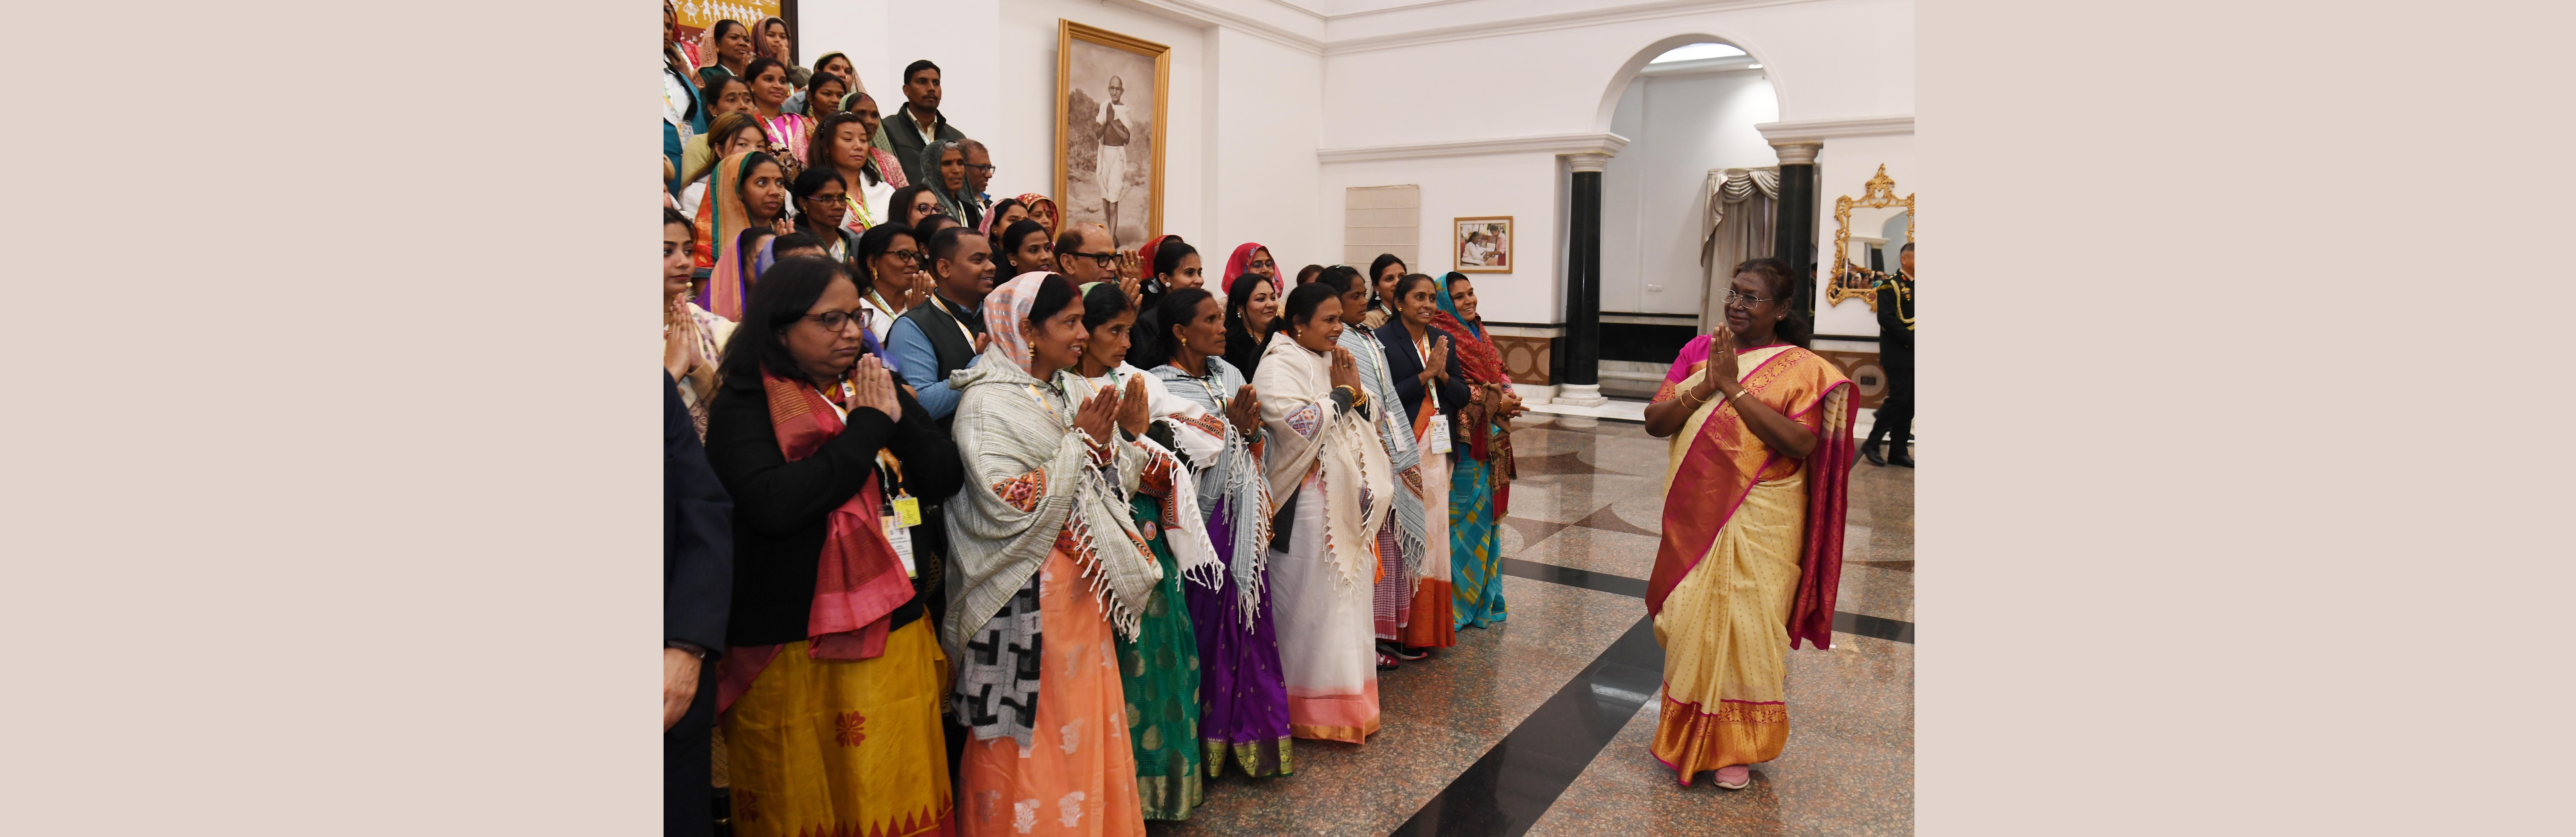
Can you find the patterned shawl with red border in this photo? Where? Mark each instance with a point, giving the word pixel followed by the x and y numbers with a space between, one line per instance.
pixel 1725 460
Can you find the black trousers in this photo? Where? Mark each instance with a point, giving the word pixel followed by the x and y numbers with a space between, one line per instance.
pixel 1895 421
pixel 687 775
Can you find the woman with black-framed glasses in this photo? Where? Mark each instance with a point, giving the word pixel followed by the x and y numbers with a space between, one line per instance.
pixel 819 448
pixel 822 199
pixel 889 261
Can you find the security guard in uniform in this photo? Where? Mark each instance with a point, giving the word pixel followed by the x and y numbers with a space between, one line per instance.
pixel 1895 420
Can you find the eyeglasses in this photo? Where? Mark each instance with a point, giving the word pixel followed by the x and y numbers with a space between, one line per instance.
pixel 908 256
pixel 835 321
pixel 1734 296
pixel 1260 264
pixel 1104 259
pixel 986 168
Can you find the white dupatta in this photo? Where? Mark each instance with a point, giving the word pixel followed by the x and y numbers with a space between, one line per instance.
pixel 1191 548
pixel 1307 429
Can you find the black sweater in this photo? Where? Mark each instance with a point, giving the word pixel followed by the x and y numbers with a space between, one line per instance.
pixel 780 507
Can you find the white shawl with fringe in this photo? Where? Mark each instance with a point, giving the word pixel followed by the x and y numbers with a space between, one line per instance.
pixel 1009 424
pixel 1306 428
pixel 1191 549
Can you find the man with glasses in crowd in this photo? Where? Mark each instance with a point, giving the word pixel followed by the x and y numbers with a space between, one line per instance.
pixel 979 174
pixel 1084 255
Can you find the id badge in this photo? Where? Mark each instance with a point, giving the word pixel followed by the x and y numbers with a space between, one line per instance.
pixel 907 510
pixel 901 537
pixel 1437 440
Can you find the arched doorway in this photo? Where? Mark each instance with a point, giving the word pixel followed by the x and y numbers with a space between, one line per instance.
pixel 1688 111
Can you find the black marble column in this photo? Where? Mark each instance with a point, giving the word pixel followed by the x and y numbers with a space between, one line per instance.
pixel 1794 231
pixel 1582 345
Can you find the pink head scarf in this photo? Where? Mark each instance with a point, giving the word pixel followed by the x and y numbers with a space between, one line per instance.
pixel 1236 264
pixel 1006 309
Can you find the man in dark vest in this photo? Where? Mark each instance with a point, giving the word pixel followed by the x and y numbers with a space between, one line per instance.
pixel 946 333
pixel 1895 420
pixel 918 123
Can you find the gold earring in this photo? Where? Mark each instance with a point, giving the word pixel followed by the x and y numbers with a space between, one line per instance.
pixel 1185 342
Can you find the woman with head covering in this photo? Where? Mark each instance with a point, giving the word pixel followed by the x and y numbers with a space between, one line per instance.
pixel 1243 700
pixel 1042 210
pixel 1428 389
pixel 1023 247
pixel 749 191
pixel 1048 571
pixel 1480 490
pixel 943 166
pixel 1328 470
pixel 831 64
pixel 1252 258
pixel 1251 303
pixel 1004 213
pixel 1159 668
pixel 841 144
pixel 791 132
pixel 1399 543
pixel 730 134
pixel 1752 528
pixel 827 644
pixel 773 41
pixel 730 42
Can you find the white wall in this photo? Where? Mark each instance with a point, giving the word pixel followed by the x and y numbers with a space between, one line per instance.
pixel 1680 127
pixel 1264 169
pixel 1522 185
pixel 1409 76
pixel 1241 123
pixel 1259 86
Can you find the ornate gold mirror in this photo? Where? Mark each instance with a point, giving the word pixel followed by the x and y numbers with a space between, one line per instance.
pixel 1865 243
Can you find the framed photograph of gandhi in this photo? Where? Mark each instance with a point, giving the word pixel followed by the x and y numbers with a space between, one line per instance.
pixel 1110 94
pixel 1482 245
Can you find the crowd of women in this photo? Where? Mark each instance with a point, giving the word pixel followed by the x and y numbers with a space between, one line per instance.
pixel 1029 536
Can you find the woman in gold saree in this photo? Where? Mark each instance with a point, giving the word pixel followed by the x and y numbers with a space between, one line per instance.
pixel 1753 523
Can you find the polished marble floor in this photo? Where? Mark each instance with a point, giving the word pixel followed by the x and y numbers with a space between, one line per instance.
pixel 1540 725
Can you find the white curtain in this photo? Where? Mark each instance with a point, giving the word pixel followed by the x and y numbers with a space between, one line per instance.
pixel 1740 207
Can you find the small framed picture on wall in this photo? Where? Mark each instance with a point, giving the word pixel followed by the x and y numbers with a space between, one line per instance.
pixel 1483 245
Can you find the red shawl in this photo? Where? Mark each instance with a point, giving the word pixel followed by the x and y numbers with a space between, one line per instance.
pixel 1725 460
pixel 858 579
pixel 1236 264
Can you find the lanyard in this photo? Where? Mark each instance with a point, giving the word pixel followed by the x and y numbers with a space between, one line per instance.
pixel 959 318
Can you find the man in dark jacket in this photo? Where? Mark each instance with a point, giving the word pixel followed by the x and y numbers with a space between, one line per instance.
pixel 697 588
pixel 911 127
pixel 1895 420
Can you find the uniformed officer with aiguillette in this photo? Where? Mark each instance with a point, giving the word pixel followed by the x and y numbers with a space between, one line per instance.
pixel 1895 420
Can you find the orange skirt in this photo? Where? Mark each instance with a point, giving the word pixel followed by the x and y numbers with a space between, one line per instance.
pixel 1079 775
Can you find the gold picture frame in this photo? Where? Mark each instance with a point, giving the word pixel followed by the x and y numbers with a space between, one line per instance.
pixel 1083 53
pixel 1498 228
pixel 1859 283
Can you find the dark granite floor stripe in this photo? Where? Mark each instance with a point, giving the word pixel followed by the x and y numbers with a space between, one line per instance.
pixel 1851 623
pixel 1873 626
pixel 1508 788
